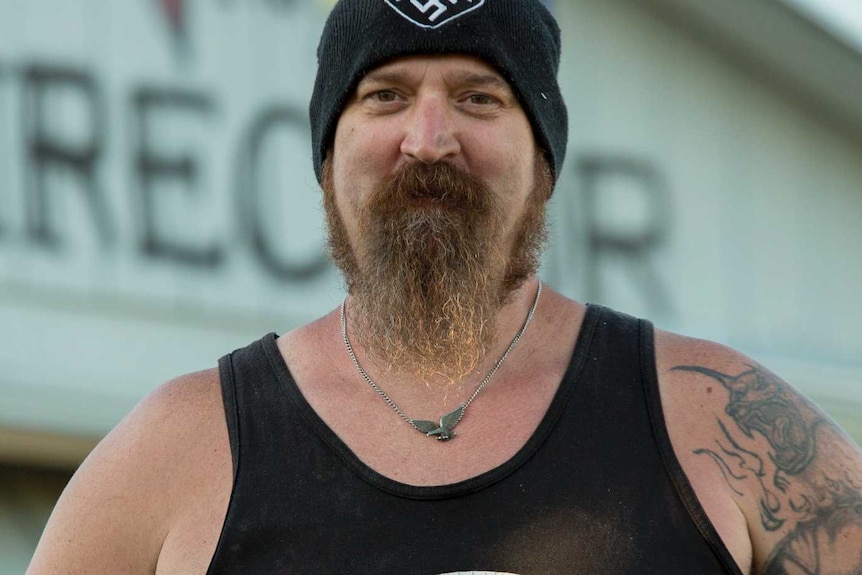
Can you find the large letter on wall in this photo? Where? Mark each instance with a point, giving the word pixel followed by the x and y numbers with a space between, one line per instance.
pixel 250 195
pixel 5 147
pixel 156 165
pixel 628 214
pixel 50 97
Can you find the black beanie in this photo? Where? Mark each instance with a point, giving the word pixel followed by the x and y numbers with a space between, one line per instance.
pixel 520 38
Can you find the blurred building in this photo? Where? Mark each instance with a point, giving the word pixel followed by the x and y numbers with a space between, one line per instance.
pixel 158 207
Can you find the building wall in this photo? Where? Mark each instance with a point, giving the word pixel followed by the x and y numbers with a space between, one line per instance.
pixel 694 193
pixel 748 202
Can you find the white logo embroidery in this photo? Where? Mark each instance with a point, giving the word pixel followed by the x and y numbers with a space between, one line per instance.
pixel 479 573
pixel 433 13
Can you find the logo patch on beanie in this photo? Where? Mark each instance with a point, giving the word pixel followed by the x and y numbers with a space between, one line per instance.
pixel 433 13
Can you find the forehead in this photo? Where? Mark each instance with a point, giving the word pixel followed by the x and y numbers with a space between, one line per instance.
pixel 451 67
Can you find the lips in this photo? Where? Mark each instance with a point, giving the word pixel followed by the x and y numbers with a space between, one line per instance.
pixel 434 186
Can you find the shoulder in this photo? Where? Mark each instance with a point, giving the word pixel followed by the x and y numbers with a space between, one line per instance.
pixel 196 395
pixel 694 377
pixel 748 440
pixel 140 479
pixel 180 416
pixel 184 413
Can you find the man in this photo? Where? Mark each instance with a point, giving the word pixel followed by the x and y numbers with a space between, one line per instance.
pixel 454 415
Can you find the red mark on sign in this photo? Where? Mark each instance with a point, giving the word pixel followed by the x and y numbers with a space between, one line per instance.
pixel 173 10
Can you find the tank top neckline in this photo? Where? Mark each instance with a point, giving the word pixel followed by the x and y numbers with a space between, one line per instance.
pixel 467 486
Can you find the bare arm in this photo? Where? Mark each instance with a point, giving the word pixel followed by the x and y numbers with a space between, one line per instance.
pixel 122 505
pixel 794 474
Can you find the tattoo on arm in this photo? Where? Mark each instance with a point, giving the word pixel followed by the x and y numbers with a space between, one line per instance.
pixel 808 479
pixel 741 464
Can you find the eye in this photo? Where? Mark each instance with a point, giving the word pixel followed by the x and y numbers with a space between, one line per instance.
pixel 384 96
pixel 481 100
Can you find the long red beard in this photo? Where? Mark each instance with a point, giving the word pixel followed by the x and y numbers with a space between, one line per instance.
pixel 427 275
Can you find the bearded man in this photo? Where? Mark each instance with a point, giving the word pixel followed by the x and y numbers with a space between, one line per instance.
pixel 453 415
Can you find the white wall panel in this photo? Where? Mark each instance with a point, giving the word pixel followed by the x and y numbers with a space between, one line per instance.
pixel 748 202
pixel 762 236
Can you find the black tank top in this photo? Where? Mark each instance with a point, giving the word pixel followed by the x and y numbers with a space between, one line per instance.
pixel 597 489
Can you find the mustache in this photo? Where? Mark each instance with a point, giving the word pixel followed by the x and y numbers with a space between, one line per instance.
pixel 441 185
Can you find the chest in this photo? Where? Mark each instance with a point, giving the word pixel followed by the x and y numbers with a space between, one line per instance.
pixel 556 506
pixel 492 430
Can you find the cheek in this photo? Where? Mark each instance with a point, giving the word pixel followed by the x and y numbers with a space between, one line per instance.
pixel 515 181
pixel 505 159
pixel 343 145
pixel 512 175
pixel 363 158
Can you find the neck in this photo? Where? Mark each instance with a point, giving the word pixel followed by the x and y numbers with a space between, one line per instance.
pixel 437 391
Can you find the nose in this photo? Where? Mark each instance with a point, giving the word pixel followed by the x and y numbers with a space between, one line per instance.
pixel 430 131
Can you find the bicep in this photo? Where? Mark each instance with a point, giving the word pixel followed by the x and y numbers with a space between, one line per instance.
pixel 795 474
pixel 810 512
pixel 99 525
pixel 116 511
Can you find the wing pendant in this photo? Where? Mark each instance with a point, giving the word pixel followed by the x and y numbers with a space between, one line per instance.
pixel 423 425
pixel 449 420
pixel 443 430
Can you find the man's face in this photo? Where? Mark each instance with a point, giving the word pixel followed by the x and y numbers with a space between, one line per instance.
pixel 435 195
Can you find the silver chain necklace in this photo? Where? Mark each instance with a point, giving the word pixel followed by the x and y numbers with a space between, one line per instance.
pixel 442 430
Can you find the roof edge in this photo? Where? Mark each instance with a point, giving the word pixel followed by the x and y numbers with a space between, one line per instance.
pixel 783 45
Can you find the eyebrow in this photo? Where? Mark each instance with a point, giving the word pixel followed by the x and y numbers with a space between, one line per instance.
pixel 471 78
pixel 383 77
pixel 481 79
